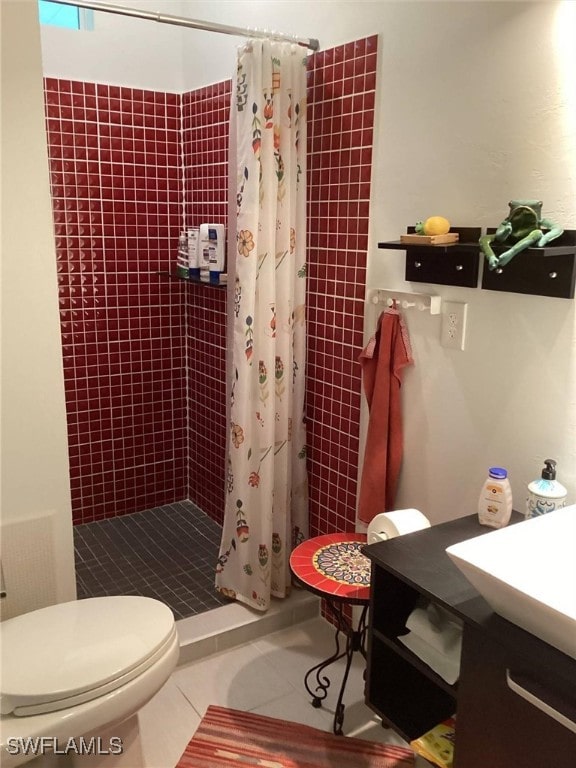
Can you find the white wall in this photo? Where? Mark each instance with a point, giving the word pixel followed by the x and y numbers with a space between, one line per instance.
pixel 476 106
pixel 120 50
pixel 35 481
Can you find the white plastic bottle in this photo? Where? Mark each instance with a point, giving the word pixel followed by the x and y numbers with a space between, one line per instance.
pixel 495 502
pixel 182 260
pixel 213 248
pixel 545 494
pixel 204 253
pixel 193 252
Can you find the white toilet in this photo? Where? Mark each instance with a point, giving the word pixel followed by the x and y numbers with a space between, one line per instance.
pixel 78 673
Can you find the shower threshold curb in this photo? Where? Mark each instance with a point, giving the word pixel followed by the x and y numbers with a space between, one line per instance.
pixel 230 625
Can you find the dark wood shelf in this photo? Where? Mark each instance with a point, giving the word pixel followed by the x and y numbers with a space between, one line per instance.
pixel 175 276
pixel 548 271
pixel 468 237
pixel 445 264
pixel 444 248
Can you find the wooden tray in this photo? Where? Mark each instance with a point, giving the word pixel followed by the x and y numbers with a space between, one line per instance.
pixel 449 237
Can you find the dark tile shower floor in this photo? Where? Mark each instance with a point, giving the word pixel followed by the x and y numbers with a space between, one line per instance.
pixel 168 553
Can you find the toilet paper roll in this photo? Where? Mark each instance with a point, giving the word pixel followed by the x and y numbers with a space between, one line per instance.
pixel 388 525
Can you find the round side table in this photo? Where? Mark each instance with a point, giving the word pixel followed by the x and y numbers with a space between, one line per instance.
pixel 333 567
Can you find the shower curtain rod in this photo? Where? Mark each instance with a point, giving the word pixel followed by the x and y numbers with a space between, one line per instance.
pixel 182 21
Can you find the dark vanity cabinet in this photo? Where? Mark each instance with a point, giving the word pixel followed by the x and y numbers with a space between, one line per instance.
pixel 515 700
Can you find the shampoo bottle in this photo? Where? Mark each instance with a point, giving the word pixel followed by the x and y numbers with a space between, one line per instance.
pixel 217 237
pixel 545 494
pixel 495 502
pixel 182 260
pixel 212 251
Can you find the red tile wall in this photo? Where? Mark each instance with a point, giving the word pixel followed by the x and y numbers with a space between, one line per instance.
pixel 341 98
pixel 116 190
pixel 144 356
pixel 205 139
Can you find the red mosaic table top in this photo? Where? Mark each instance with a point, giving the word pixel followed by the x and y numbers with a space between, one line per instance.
pixel 334 566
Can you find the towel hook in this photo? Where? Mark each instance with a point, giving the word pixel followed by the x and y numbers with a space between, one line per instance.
pixel 406 300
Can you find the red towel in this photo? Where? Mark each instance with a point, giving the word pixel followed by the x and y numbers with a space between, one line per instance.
pixel 382 361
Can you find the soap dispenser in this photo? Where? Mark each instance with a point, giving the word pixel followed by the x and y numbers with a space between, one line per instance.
pixel 545 494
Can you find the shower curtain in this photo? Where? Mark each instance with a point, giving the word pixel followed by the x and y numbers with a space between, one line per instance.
pixel 266 512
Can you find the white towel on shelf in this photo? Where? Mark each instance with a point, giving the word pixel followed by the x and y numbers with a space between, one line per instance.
pixel 436 638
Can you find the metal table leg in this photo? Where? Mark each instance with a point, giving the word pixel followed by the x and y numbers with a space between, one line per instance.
pixel 355 641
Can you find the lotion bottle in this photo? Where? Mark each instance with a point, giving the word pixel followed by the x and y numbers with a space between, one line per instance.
pixel 495 502
pixel 545 494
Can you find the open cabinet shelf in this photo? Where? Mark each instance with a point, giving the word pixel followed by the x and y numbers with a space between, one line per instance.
pixel 405 653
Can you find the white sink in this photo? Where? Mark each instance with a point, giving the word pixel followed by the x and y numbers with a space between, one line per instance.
pixel 527 574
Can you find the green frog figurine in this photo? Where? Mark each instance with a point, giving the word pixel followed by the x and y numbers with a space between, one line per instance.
pixel 522 228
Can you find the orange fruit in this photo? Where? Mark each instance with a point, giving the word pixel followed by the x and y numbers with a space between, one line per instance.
pixel 436 225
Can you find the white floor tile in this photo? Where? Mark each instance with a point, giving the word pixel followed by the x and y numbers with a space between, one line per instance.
pixel 167 723
pixel 362 723
pixel 239 679
pixel 293 651
pixel 298 709
pixel 266 676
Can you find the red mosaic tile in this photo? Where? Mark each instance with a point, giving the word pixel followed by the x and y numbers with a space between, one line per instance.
pixel 102 268
pixel 332 565
pixel 339 189
pixel 143 429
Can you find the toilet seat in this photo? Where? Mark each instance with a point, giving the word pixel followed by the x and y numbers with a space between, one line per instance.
pixel 71 653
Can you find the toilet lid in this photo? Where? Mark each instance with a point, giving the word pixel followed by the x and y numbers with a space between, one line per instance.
pixel 54 657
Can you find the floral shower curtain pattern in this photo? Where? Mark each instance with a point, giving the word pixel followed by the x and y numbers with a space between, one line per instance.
pixel 267 491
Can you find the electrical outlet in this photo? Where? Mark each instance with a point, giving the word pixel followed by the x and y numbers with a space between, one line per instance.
pixel 453 324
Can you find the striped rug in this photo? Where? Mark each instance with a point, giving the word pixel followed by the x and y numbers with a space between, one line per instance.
pixel 228 738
